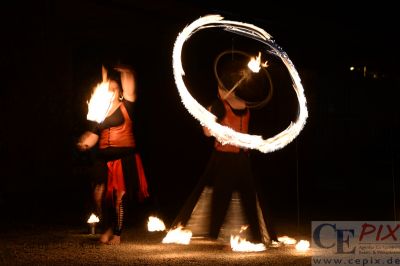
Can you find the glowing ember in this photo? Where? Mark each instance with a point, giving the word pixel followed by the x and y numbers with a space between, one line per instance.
pixel 303 245
pixel 100 102
pixel 178 236
pixel 224 134
pixel 155 224
pixel 242 245
pixel 93 219
pixel 287 240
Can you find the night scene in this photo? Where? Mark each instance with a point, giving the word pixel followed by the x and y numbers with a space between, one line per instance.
pixel 199 133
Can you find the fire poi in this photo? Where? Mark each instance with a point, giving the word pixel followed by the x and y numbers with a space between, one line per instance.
pixel 222 133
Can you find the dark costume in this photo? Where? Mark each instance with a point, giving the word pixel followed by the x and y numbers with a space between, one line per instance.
pixel 119 166
pixel 226 186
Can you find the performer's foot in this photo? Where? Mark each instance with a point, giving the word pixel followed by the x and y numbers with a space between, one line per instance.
pixel 105 237
pixel 115 240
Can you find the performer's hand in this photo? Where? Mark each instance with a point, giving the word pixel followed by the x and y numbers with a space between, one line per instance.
pixel 87 141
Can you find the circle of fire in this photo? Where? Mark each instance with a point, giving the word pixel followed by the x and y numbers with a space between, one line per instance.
pixel 224 134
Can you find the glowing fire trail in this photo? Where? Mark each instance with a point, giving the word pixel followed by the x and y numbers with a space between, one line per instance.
pixel 225 134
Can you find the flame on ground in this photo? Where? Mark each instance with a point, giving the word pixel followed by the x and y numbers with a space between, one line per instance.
pixel 303 245
pixel 93 219
pixel 155 224
pixel 287 240
pixel 242 245
pixel 178 236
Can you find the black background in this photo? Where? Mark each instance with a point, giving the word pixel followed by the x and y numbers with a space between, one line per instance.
pixel 342 166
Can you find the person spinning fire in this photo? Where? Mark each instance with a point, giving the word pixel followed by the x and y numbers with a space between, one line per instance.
pixel 118 166
pixel 229 167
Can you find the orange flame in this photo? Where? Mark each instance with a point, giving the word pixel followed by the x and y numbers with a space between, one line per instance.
pixel 287 240
pixel 303 245
pixel 178 236
pixel 100 102
pixel 242 245
pixel 93 219
pixel 155 224
pixel 255 63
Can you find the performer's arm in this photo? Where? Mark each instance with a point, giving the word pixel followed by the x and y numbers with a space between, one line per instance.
pixel 128 83
pixel 206 131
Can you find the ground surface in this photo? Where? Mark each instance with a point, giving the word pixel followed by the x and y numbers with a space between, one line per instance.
pixel 65 245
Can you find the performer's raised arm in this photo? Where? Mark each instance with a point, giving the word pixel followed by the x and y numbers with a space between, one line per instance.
pixel 128 83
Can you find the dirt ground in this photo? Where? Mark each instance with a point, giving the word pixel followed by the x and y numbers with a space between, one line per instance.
pixel 64 245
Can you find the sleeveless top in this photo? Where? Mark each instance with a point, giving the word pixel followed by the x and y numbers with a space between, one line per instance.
pixel 239 123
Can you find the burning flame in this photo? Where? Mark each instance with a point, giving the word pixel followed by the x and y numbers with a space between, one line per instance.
pixel 287 240
pixel 224 134
pixel 155 224
pixel 303 245
pixel 93 219
pixel 242 245
pixel 255 63
pixel 100 102
pixel 178 236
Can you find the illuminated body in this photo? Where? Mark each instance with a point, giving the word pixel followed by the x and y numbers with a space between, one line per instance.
pixel 118 168
pixel 228 172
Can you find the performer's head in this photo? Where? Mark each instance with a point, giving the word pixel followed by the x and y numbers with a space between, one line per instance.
pixel 235 75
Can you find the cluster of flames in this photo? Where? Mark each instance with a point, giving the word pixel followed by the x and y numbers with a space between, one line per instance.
pixel 179 235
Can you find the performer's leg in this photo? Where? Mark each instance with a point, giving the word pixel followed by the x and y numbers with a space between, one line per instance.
pixel 98 196
pixel 103 211
pixel 221 196
pixel 108 218
pixel 249 201
pixel 119 218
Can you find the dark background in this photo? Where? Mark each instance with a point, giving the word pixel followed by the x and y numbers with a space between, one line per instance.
pixel 342 166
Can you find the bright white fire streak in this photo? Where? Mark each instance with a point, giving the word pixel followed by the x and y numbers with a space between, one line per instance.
pixel 224 134
pixel 93 219
pixel 303 245
pixel 178 236
pixel 242 245
pixel 99 102
pixel 155 224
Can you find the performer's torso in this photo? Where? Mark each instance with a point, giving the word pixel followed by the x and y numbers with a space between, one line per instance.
pixel 117 129
pixel 238 120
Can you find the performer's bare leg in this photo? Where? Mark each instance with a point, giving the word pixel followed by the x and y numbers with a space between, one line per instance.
pixel 98 195
pixel 119 208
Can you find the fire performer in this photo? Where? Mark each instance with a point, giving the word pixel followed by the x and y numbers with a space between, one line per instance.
pixel 119 169
pixel 229 168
